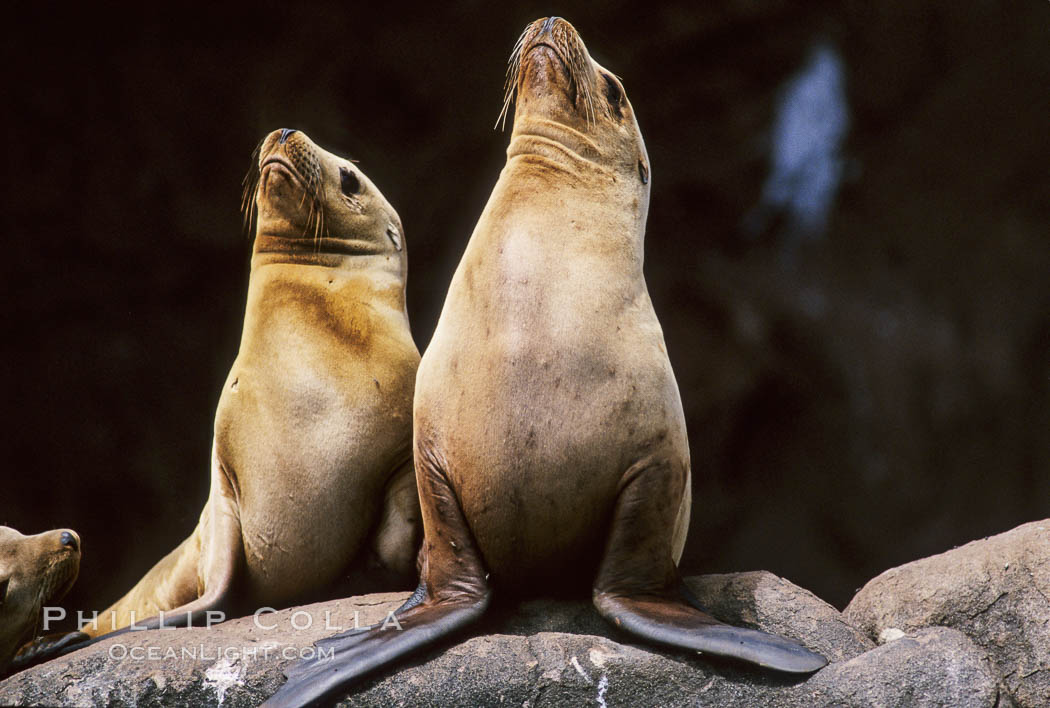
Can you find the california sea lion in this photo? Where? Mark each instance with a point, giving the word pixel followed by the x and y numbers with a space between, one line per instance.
pixel 34 571
pixel 549 438
pixel 311 472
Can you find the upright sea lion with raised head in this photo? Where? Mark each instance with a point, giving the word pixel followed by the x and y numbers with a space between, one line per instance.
pixel 549 438
pixel 34 571
pixel 311 469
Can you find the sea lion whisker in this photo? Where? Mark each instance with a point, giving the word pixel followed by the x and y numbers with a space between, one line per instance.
pixel 250 190
pixel 318 226
pixel 510 85
pixel 248 201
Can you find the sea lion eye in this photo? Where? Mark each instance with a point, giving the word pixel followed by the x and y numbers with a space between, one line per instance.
pixel 348 181
pixel 3 590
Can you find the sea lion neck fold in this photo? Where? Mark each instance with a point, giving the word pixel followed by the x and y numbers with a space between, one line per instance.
pixel 574 130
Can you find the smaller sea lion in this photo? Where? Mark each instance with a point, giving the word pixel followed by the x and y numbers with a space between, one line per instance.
pixel 312 485
pixel 34 571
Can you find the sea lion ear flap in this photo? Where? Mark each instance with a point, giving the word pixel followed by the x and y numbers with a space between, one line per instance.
pixel 395 235
pixel 643 170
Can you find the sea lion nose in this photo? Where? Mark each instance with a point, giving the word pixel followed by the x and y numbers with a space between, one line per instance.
pixel 68 538
pixel 285 132
pixel 548 25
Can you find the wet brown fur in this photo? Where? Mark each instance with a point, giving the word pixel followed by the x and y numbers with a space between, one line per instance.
pixel 34 572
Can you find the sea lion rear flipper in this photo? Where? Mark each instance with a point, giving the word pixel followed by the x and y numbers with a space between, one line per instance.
pixel 454 591
pixel 639 591
pixel 662 620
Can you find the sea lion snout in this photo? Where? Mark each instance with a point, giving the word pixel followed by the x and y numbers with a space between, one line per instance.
pixel 34 571
pixel 291 149
pixel 547 25
pixel 70 539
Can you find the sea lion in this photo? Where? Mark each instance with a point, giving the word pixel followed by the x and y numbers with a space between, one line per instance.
pixel 34 571
pixel 549 437
pixel 311 464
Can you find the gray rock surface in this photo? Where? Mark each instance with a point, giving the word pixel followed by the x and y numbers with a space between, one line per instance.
pixel 996 591
pixel 541 653
pixel 758 599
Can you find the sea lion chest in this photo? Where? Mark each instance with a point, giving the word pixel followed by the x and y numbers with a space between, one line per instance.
pixel 547 377
pixel 316 410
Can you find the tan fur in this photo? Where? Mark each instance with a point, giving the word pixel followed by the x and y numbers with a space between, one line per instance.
pixel 34 571
pixel 549 437
pixel 550 303
pixel 311 464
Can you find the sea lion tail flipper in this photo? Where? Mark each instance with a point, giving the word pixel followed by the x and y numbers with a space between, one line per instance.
pixel 453 593
pixel 638 588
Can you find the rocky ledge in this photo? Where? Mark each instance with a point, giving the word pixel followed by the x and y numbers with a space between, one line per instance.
pixel 541 653
pixel 995 591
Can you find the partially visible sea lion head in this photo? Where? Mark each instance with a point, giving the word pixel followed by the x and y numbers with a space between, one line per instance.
pixel 34 571
pixel 312 200
pixel 564 96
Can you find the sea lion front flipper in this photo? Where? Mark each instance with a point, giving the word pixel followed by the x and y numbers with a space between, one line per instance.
pixel 46 648
pixel 453 587
pixel 221 556
pixel 194 579
pixel 638 585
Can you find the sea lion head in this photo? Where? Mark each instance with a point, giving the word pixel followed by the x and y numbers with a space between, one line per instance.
pixel 307 199
pixel 34 571
pixel 562 94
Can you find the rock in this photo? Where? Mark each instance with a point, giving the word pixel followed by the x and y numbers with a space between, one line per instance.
pixel 996 591
pixel 539 653
pixel 935 667
pixel 763 601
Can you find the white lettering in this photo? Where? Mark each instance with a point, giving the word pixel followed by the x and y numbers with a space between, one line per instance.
pixel 81 622
pixel 160 618
pixel 134 627
pixel 309 620
pixel 259 624
pixel 53 613
pixel 328 622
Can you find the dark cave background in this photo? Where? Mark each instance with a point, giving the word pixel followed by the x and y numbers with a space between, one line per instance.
pixel 856 397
